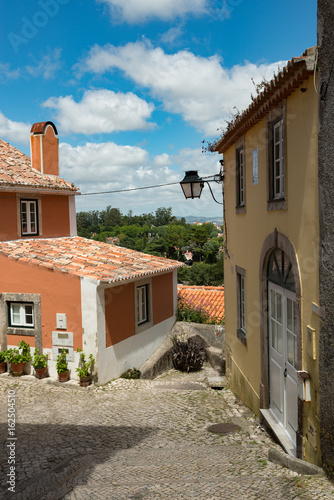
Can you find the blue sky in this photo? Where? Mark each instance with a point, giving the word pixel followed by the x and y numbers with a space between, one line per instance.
pixel 135 86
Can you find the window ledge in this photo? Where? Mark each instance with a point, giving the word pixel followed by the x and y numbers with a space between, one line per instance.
pixel 280 204
pixel 240 209
pixel 21 330
pixel 242 337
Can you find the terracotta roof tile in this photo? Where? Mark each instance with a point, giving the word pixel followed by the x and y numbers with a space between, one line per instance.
pixel 16 171
pixel 83 257
pixel 209 298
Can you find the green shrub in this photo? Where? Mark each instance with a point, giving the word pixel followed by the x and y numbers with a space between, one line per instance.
pixel 189 312
pixel 187 355
pixel 131 373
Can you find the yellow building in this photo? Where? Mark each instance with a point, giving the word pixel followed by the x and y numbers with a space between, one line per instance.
pixel 272 256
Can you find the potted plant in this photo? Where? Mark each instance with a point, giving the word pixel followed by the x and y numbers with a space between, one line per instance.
pixel 85 368
pixel 3 361
pixel 40 364
pixel 62 367
pixel 18 356
pixel 25 351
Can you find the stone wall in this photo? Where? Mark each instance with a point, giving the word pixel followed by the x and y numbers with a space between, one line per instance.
pixel 326 200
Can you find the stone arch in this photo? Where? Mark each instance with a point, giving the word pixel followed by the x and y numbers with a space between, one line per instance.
pixel 277 240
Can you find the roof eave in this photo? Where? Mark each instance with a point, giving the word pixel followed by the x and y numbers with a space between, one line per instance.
pixel 281 87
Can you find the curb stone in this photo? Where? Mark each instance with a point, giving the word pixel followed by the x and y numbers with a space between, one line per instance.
pixel 292 463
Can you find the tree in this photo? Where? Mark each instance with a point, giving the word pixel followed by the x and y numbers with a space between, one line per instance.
pixel 110 217
pixel 163 216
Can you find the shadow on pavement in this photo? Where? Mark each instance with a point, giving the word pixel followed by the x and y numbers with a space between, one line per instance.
pixel 50 459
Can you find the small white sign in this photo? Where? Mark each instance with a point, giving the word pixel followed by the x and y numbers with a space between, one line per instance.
pixel 255 166
pixel 61 321
pixel 62 338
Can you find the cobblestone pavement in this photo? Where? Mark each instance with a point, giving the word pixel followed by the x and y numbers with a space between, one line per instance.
pixel 139 439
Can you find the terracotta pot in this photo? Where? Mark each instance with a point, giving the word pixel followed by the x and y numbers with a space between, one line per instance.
pixel 85 381
pixel 41 372
pixel 17 369
pixel 3 366
pixel 27 368
pixel 63 376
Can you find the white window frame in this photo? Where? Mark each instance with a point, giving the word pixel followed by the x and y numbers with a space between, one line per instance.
pixel 241 178
pixel 23 314
pixel 31 215
pixel 143 291
pixel 142 304
pixel 241 304
pixel 278 161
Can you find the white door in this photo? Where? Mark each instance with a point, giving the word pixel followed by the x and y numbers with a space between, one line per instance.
pixel 283 359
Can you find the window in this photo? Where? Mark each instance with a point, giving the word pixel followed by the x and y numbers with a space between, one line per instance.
pixel 142 304
pixel 278 172
pixel 241 304
pixel 29 217
pixel 21 314
pixel 240 178
pixel 276 159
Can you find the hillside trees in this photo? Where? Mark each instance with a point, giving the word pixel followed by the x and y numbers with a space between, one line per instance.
pixel 161 234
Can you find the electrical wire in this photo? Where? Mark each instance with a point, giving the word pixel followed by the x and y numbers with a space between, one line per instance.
pixel 130 189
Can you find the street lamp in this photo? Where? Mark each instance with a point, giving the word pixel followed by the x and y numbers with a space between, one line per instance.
pixel 192 184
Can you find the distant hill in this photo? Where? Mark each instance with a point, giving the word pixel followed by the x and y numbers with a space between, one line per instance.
pixel 214 220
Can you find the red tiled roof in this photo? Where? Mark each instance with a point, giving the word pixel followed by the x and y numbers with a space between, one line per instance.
pixel 83 257
pixel 209 298
pixel 281 86
pixel 16 172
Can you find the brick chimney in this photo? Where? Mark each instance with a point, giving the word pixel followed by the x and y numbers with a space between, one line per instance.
pixel 44 148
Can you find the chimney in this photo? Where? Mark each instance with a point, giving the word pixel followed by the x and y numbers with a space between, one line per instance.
pixel 44 148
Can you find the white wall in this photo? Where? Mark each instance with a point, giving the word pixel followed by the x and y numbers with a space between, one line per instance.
pixel 133 351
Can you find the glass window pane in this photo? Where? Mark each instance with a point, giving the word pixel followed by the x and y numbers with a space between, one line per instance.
pixel 279 307
pixel 29 317
pixel 289 315
pixel 290 348
pixel 16 314
pixel 274 334
pixel 279 339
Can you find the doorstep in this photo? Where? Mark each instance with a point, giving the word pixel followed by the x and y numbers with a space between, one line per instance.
pixel 279 433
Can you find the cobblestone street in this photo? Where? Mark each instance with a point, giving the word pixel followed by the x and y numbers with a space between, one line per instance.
pixel 138 439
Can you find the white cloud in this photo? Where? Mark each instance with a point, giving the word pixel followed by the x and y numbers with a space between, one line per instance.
pixel 198 88
pixel 6 73
pixel 14 131
pixel 138 11
pixel 162 160
pixel 170 36
pixel 101 111
pixel 47 66
pixel 110 167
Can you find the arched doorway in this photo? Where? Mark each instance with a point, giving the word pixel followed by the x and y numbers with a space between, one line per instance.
pixel 281 337
pixel 282 343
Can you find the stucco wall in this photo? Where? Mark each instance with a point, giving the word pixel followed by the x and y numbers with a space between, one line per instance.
pixel 120 313
pixel 8 229
pixel 326 188
pixel 133 346
pixel 246 235
pixel 59 292
pixel 55 216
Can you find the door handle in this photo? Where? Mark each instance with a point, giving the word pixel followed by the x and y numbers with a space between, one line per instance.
pixel 285 372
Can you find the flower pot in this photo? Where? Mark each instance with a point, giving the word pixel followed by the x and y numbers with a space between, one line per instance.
pixel 17 369
pixel 27 368
pixel 63 376
pixel 3 366
pixel 41 372
pixel 85 381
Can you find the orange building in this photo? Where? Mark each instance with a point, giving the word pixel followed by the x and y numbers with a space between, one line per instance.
pixel 59 290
